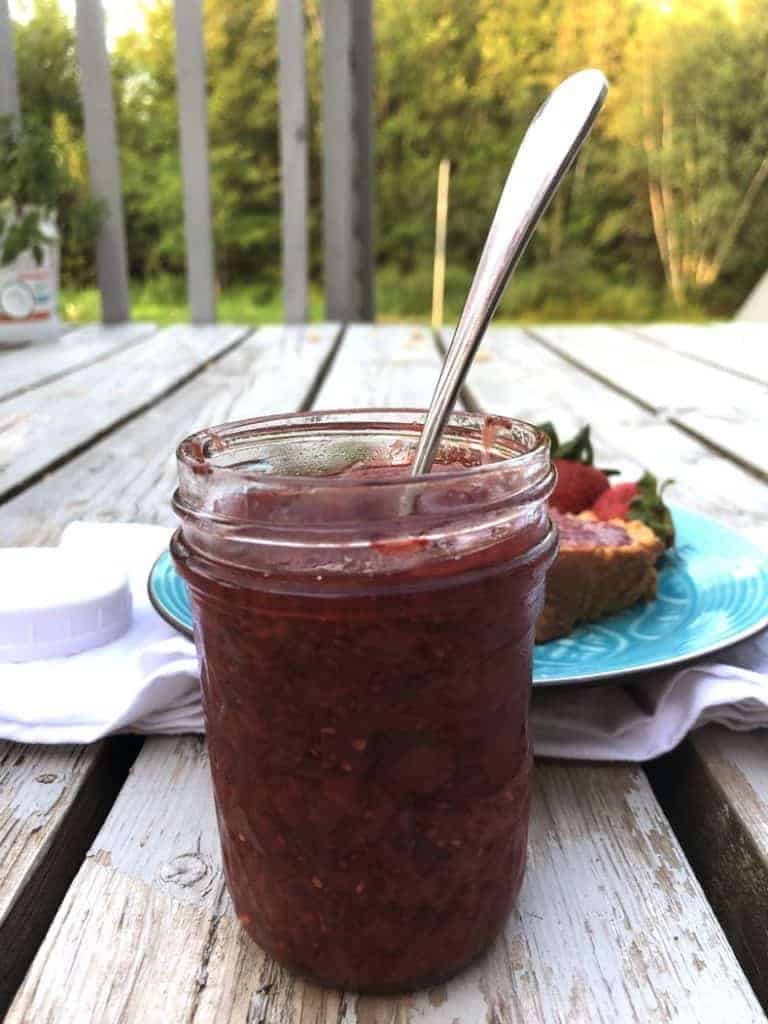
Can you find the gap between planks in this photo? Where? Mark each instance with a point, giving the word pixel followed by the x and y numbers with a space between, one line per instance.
pixel 46 791
pixel 705 402
pixel 714 789
pixel 83 410
pixel 32 366
pixel 53 801
pixel 728 337
pixel 722 827
pixel 611 926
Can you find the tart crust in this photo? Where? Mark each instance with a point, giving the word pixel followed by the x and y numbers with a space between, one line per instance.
pixel 597 571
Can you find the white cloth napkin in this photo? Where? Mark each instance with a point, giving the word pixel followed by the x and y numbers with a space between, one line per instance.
pixel 147 682
pixel 647 718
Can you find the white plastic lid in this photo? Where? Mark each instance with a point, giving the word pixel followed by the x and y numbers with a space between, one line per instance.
pixel 55 602
pixel 17 300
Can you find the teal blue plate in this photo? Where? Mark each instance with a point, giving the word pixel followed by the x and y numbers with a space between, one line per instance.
pixel 713 591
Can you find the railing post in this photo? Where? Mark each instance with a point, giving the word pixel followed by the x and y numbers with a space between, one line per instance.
pixel 348 159
pixel 193 123
pixel 294 144
pixel 9 87
pixel 103 159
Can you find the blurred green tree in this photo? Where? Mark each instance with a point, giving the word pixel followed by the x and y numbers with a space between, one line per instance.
pixel 700 118
pixel 666 208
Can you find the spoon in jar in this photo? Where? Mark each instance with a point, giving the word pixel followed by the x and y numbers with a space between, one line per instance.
pixel 548 149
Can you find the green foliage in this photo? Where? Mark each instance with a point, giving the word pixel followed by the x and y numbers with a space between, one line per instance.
pixel 43 167
pixel 663 215
pixel 47 66
pixel 33 179
pixel 162 300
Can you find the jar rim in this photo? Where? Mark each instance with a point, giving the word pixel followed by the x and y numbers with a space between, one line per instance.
pixel 197 452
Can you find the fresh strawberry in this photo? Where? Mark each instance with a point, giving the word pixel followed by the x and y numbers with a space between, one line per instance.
pixel 642 500
pixel 579 483
pixel 578 486
pixel 615 502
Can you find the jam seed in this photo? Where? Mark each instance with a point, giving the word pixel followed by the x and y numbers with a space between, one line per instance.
pixel 346 766
pixel 359 744
pixel 455 842
pixel 317 882
pixel 360 888
pixel 328 730
pixel 241 837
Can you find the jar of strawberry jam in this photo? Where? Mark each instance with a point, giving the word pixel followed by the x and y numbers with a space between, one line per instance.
pixel 366 640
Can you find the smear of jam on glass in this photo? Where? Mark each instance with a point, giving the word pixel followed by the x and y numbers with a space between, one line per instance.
pixel 366 647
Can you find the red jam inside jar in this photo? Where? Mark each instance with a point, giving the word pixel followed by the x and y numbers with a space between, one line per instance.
pixel 366 641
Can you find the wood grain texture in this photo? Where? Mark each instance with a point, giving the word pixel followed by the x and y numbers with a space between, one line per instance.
pixel 52 801
pixel 712 405
pixel 382 366
pixel 193 130
pixel 130 475
pixel 9 86
pixel 611 924
pixel 740 348
pixel 41 427
pixel 347 159
pixel 103 159
pixel 716 787
pixel 514 375
pixel 715 791
pixel 294 160
pixel 33 365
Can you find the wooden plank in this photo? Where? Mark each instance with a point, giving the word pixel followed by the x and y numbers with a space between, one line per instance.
pixel 715 788
pixel 740 434
pixel 52 802
pixel 103 159
pixel 30 367
pixel 611 924
pixel 715 791
pixel 707 402
pixel 347 159
pixel 193 124
pixel 294 160
pixel 41 427
pixel 514 375
pixel 9 86
pixel 53 799
pixel 741 348
pixel 129 476
pixel 391 365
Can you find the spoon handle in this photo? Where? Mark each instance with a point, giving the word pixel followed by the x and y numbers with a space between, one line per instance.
pixel 548 149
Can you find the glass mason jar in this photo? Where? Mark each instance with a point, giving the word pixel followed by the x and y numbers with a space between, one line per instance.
pixel 366 641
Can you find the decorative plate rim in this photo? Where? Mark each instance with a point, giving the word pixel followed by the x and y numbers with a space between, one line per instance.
pixel 654 666
pixel 162 610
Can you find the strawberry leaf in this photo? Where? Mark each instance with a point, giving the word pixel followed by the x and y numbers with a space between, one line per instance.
pixel 648 507
pixel 578 449
pixel 549 429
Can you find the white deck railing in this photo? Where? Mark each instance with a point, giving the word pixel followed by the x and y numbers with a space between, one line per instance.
pixel 347 155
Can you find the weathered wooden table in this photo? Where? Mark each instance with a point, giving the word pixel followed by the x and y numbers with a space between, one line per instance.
pixel 646 897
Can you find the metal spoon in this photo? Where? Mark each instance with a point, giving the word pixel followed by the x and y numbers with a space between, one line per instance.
pixel 548 149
